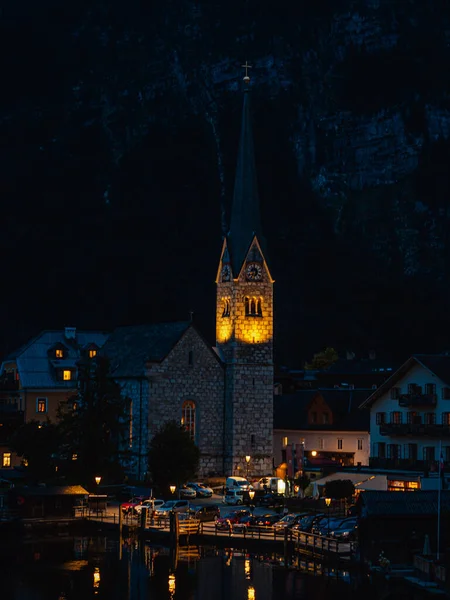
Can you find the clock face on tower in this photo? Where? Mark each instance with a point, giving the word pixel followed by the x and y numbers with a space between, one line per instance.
pixel 226 273
pixel 253 271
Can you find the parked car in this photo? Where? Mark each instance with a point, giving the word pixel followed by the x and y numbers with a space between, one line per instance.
pixel 231 518
pixel 325 525
pixel 202 490
pixel 306 523
pixel 208 512
pixel 289 520
pixel 234 497
pixel 129 508
pixel 187 492
pixel 172 505
pixel 347 531
pixel 245 524
pixel 270 499
pixel 150 504
pixel 266 520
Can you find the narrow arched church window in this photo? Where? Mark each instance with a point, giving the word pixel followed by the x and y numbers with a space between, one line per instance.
pixel 253 306
pixel 259 307
pixel 226 308
pixel 247 305
pixel 188 417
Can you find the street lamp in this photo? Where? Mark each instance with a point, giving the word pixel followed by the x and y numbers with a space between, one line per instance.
pixel 328 502
pixel 172 489
pixel 251 495
pixel 314 453
pixel 98 479
pixel 247 460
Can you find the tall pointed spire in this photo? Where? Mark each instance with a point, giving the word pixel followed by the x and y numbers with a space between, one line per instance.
pixel 245 220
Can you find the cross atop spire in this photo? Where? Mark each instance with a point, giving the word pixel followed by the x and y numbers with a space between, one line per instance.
pixel 246 76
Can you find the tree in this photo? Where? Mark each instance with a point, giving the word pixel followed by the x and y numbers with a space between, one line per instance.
pixel 303 482
pixel 37 443
pixel 173 457
pixel 94 425
pixel 339 489
pixel 322 360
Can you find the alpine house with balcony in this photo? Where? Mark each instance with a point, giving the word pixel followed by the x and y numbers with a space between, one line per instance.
pixel 410 420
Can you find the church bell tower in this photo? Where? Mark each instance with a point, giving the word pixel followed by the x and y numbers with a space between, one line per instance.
pixel 244 321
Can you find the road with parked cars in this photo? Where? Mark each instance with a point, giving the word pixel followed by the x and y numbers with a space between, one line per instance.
pixel 261 519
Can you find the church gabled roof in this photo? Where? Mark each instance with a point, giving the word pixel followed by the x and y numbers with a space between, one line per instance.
pixel 130 348
pixel 245 220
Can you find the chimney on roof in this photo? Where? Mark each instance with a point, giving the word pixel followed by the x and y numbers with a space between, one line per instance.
pixel 70 333
pixel 350 355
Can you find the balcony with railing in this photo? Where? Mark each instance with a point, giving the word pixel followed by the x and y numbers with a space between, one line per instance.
pixel 415 429
pixel 415 399
pixel 407 464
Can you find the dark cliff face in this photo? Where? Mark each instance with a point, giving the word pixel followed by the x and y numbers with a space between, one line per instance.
pixel 121 123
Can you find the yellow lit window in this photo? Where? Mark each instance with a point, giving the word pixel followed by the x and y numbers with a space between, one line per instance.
pixel 6 459
pixel 74 456
pixel 67 375
pixel 41 405
pixel 92 353
pixel 59 353
pixel 285 442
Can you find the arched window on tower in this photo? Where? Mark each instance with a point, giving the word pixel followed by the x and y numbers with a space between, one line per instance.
pixel 226 307
pixel 253 306
pixel 188 417
pixel 259 307
pixel 247 306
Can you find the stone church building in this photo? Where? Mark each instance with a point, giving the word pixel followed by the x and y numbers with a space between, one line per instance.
pixel 223 395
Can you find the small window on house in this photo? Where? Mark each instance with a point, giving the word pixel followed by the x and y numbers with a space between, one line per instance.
pixel 6 462
pixel 414 389
pixel 67 375
pixel 313 417
pixel 325 418
pixel 360 444
pixel 188 417
pixel 339 444
pixel 59 353
pixel 92 353
pixel 191 358
pixel 380 418
pixel 381 450
pixel 396 417
pixel 446 418
pixel 445 393
pixel 429 418
pixel 285 441
pixel 41 405
pixel 430 389
pixel 395 393
pixel 74 456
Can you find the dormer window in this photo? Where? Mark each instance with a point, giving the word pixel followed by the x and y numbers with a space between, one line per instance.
pixel 67 375
pixel 59 353
pixel 92 353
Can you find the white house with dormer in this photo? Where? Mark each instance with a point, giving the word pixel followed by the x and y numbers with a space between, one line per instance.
pixel 410 421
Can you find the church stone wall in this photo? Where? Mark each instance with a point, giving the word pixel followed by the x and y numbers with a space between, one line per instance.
pixel 174 380
pixel 137 391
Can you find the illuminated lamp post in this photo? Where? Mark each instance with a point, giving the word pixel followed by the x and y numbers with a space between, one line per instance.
pixel 252 495
pixel 172 489
pixel 98 479
pixel 328 502
pixel 247 460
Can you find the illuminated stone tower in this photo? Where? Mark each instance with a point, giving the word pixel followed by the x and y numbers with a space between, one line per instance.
pixel 244 321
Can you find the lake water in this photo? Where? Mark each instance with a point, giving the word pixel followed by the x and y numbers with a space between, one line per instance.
pixel 100 568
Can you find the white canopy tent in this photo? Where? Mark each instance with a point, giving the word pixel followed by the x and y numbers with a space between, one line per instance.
pixel 361 481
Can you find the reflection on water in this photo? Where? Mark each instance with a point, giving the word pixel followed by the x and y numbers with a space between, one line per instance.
pixel 102 569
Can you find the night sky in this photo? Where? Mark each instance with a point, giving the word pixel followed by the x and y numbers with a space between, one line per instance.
pixel 113 208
